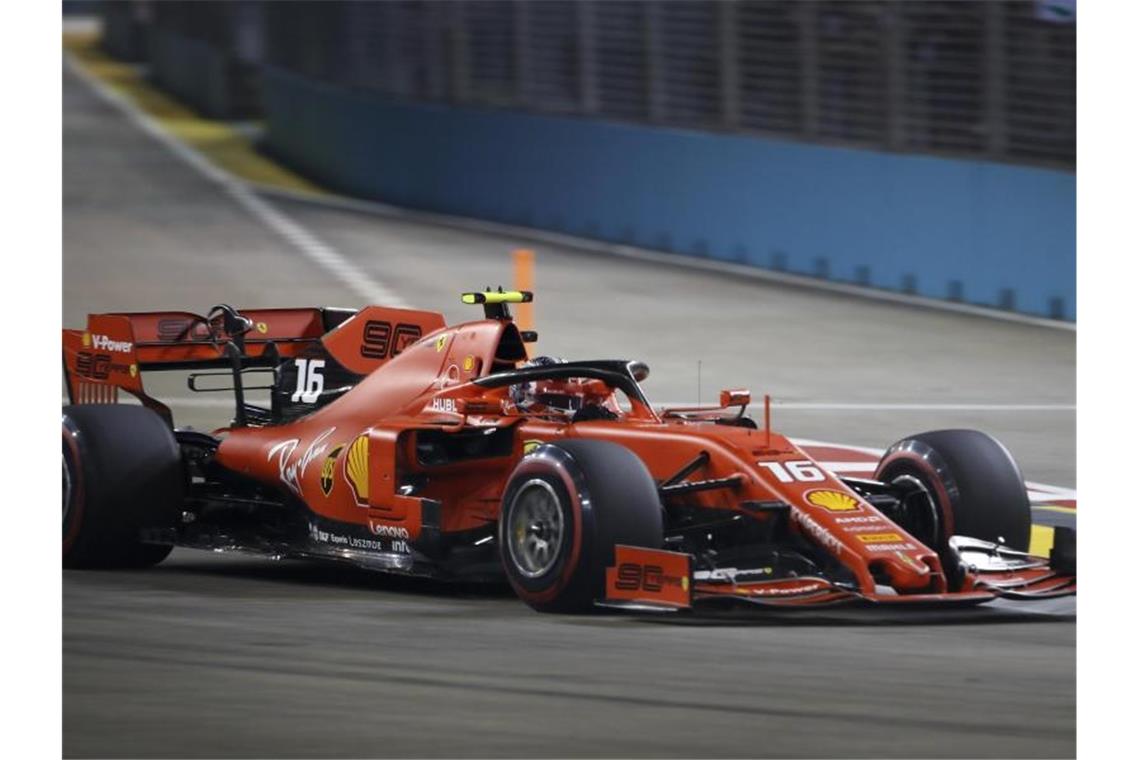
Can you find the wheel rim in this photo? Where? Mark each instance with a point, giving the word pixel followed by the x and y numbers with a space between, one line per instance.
pixel 535 528
pixel 919 508
pixel 66 491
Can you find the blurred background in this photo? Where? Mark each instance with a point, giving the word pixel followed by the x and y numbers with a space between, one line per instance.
pixel 925 147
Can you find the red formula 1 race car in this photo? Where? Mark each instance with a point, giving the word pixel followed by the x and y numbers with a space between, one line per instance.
pixel 398 443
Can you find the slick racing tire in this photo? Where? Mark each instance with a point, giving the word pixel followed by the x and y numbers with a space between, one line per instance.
pixel 566 507
pixel 976 487
pixel 122 471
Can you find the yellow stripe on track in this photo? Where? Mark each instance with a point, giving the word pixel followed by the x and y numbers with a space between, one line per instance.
pixel 223 145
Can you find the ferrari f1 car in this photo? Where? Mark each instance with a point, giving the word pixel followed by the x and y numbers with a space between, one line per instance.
pixel 398 443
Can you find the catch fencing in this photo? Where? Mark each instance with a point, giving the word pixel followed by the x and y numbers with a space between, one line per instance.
pixel 969 78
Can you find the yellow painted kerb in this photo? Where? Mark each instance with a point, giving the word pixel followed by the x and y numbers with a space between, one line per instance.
pixel 1040 540
pixel 220 143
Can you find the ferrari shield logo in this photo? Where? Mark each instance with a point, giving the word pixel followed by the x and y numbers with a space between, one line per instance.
pixel 327 470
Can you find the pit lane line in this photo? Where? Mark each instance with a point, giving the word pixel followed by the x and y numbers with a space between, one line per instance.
pixel 304 241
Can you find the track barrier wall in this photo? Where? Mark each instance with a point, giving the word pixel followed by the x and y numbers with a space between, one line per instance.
pixel 209 79
pixel 979 232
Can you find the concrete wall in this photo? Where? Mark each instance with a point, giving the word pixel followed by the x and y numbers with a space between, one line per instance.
pixel 123 35
pixel 980 232
pixel 211 81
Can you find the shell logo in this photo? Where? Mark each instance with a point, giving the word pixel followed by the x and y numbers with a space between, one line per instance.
pixel 531 445
pixel 262 328
pixel 356 469
pixel 832 501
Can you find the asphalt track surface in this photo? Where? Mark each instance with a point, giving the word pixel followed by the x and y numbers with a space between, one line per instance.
pixel 209 656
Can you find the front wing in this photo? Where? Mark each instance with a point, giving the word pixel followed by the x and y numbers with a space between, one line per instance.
pixel 656 580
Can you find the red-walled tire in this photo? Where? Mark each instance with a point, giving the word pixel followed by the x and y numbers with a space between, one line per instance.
pixel 973 480
pixel 566 506
pixel 122 471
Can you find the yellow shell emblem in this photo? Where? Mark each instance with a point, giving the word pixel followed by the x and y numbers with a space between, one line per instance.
pixel 356 468
pixel 832 501
pixel 529 446
pixel 262 328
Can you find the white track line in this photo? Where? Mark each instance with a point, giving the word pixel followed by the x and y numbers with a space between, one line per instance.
pixel 321 253
pixel 876 453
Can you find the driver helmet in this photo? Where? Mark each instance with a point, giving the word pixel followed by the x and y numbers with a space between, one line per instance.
pixel 545 395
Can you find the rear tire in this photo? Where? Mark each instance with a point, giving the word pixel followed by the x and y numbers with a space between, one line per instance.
pixel 973 480
pixel 566 506
pixel 122 472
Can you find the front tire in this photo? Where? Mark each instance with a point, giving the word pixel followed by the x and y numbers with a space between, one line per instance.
pixel 972 479
pixel 566 507
pixel 122 472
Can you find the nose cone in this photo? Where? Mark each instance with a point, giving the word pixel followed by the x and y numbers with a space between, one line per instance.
pixel 908 572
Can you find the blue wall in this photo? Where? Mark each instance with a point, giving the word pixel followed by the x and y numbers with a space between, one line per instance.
pixel 891 220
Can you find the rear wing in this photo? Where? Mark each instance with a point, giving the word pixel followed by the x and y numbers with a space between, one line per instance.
pixel 110 355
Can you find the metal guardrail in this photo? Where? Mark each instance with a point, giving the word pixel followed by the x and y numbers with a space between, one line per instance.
pixel 990 79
